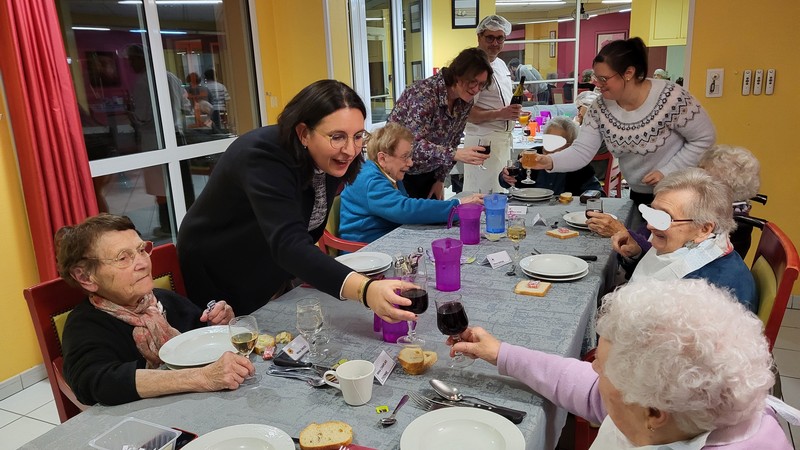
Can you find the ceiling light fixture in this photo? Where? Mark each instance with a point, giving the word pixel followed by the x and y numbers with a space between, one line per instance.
pixel 625 10
pixel 172 2
pixel 91 28
pixel 615 1
pixel 531 3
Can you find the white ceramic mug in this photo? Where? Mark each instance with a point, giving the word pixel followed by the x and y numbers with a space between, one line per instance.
pixel 355 381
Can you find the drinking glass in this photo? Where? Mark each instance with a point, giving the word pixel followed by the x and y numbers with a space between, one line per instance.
pixel 487 145
pixel 524 117
pixel 512 168
pixel 594 205
pixel 452 320
pixel 310 320
pixel 516 232
pixel 528 161
pixel 244 334
pixel 419 301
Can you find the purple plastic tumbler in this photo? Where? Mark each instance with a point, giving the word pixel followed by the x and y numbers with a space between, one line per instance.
pixel 391 331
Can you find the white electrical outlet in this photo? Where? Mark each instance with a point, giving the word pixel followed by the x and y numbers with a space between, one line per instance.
pixel 747 79
pixel 758 81
pixel 770 82
pixel 714 79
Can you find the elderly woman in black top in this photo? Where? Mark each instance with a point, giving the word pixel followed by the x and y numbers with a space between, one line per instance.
pixel 111 341
pixel 252 230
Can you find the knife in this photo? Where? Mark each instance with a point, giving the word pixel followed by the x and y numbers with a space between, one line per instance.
pixel 586 257
pixel 514 415
pixel 284 360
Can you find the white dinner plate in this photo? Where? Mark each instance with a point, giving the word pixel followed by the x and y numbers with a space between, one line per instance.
pixel 461 428
pixel 376 271
pixel 578 219
pixel 531 193
pixel 529 199
pixel 553 265
pixel 243 437
pixel 545 278
pixel 365 261
pixel 197 347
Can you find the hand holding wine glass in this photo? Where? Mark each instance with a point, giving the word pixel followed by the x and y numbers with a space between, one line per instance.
pixel 528 161
pixel 487 148
pixel 243 331
pixel 415 288
pixel 452 320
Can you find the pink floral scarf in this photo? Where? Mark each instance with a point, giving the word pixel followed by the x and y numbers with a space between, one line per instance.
pixel 150 327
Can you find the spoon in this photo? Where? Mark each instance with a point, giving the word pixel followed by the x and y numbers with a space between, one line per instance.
pixel 510 273
pixel 388 421
pixel 451 393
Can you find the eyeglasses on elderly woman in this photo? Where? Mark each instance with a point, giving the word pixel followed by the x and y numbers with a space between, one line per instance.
pixel 125 258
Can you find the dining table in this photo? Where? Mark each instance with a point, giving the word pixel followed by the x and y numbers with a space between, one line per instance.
pixel 560 323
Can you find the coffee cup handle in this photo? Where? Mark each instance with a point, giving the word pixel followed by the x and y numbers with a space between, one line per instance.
pixel 328 382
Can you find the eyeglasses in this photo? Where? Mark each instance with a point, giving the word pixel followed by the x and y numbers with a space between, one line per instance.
pixel 339 140
pixel 492 39
pixel 660 220
pixel 603 80
pixel 472 85
pixel 403 157
pixel 126 258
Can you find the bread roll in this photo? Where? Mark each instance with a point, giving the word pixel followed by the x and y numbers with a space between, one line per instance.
pixel 326 436
pixel 415 361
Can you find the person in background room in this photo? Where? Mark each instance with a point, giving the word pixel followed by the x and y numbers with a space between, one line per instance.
pixel 111 340
pixel 492 117
pixel 679 365
pixel 377 202
pixel 519 70
pixel 252 230
pixel 660 74
pixel 436 111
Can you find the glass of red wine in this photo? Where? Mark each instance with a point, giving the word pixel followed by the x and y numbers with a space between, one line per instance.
pixel 451 318
pixel 487 149
pixel 414 286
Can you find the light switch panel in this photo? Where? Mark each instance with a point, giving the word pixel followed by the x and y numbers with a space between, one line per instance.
pixel 747 79
pixel 770 82
pixel 758 81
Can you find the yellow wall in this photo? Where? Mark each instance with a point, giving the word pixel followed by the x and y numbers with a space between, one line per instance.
pixel 292 42
pixel 448 42
pixel 764 123
pixel 18 343
pixel 340 41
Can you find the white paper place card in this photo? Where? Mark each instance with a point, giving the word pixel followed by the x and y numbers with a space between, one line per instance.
pixel 517 210
pixel 383 367
pixel 297 348
pixel 497 259
pixel 538 218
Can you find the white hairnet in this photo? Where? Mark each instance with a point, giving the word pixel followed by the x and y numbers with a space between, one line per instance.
pixel 494 23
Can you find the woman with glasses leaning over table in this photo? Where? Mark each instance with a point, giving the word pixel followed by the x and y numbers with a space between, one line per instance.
pixel 679 365
pixel 111 341
pixel 436 111
pixel 654 127
pixel 377 202
pixel 253 228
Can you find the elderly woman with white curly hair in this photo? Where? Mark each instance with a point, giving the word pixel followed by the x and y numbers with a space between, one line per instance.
pixel 665 376
pixel 689 220
pixel 738 168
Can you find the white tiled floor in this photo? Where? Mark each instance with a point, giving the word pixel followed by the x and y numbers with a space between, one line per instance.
pixel 32 412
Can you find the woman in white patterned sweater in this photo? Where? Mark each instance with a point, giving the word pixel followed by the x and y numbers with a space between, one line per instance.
pixel 654 127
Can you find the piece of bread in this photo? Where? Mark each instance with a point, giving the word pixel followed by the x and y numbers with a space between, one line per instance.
pixel 562 233
pixel 415 361
pixel 264 341
pixel 284 337
pixel 535 288
pixel 326 436
pixel 565 197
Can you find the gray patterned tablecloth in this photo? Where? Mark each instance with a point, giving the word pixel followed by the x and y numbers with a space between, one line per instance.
pixel 559 323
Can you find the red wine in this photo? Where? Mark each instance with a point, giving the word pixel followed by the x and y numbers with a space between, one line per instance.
pixel 451 319
pixel 513 171
pixel 487 148
pixel 419 300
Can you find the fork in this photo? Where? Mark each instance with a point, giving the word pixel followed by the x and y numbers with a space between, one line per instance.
pixel 421 401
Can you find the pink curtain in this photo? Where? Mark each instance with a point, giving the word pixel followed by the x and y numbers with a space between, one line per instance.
pixel 54 167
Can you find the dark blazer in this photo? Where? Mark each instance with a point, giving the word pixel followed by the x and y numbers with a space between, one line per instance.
pixel 247 233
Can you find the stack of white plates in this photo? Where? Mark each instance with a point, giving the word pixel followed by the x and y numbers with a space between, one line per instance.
pixel 577 219
pixel 554 267
pixel 532 194
pixel 197 347
pixel 367 263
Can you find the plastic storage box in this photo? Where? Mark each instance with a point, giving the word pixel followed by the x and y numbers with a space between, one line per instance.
pixel 135 434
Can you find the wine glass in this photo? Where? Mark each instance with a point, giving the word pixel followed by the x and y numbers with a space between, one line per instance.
pixel 244 334
pixel 487 149
pixel 513 169
pixel 451 318
pixel 419 301
pixel 309 323
pixel 528 162
pixel 516 232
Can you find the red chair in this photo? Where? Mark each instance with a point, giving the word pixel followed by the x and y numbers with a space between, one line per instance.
pixel 613 174
pixel 51 302
pixel 330 243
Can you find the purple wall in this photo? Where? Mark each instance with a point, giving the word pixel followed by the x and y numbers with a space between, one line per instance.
pixel 604 23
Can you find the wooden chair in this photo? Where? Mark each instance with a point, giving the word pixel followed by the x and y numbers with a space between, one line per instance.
pixel 558 96
pixel 330 242
pixel 50 303
pixel 613 174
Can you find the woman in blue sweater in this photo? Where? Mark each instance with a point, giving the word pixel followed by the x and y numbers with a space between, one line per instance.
pixel 377 202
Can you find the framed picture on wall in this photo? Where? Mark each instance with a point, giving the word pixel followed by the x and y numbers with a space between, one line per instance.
pixel 416 18
pixel 416 70
pixel 465 13
pixel 609 36
pixel 552 44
